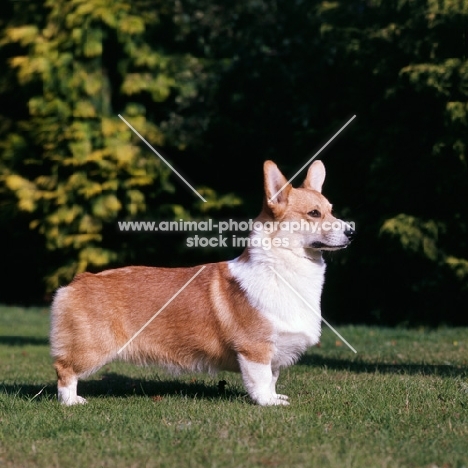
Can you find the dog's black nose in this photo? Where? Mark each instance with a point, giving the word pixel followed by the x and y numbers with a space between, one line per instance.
pixel 349 233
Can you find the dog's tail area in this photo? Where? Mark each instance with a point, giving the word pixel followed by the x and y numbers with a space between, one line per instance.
pixel 74 344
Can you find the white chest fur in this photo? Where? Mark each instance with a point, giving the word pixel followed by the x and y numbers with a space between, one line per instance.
pixel 285 288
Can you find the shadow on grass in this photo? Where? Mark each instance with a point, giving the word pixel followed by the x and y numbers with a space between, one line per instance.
pixel 116 385
pixel 23 340
pixel 356 366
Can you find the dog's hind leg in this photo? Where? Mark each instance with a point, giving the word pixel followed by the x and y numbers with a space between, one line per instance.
pixel 67 384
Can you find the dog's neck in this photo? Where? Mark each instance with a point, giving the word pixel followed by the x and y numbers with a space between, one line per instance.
pixel 312 255
pixel 280 254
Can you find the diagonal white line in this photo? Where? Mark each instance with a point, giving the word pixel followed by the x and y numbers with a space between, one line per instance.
pixel 312 309
pixel 312 158
pixel 160 157
pixel 161 309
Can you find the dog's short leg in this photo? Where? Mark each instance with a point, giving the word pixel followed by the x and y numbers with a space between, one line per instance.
pixel 258 380
pixel 67 393
pixel 275 375
pixel 67 386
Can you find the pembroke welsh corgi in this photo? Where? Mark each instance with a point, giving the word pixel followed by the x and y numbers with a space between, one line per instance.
pixel 255 314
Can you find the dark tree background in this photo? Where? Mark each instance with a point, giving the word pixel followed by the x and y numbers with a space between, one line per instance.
pixel 218 87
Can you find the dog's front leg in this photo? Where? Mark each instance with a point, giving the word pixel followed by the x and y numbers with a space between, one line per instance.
pixel 275 375
pixel 259 381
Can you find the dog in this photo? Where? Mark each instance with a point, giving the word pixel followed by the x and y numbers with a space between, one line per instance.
pixel 255 314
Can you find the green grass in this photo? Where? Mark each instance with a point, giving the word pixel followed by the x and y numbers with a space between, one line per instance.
pixel 401 401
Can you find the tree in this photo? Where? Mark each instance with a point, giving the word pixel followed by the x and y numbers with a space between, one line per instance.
pixel 226 85
pixel 406 66
pixel 69 162
pixel 295 72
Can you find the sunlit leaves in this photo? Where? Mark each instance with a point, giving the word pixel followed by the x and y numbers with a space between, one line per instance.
pixel 93 169
pixel 415 235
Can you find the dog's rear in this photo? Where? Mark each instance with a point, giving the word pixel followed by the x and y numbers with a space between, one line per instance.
pixel 255 314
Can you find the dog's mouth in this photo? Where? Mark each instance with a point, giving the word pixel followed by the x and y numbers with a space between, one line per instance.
pixel 321 246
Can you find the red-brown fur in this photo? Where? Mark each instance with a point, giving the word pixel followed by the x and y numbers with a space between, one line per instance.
pixel 98 314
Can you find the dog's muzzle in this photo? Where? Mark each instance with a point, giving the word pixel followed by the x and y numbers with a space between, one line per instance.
pixel 349 233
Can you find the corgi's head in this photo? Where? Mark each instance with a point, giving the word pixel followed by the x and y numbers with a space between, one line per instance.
pixel 302 216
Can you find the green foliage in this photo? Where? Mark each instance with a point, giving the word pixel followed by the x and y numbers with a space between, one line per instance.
pixel 414 235
pixel 412 58
pixel 72 163
pixel 460 268
pixel 439 77
pixel 224 86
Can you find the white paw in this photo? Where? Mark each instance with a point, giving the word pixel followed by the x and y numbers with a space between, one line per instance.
pixel 72 401
pixel 281 401
pixel 282 397
pixel 272 400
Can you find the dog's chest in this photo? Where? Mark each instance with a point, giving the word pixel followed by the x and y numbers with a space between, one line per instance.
pixel 288 297
pixel 296 319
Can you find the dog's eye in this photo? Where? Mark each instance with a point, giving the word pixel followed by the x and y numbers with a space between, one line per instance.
pixel 314 214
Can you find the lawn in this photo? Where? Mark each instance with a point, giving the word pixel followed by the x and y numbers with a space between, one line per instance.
pixel 402 401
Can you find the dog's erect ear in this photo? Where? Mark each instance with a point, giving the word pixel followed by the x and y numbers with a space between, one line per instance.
pixel 274 182
pixel 315 176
